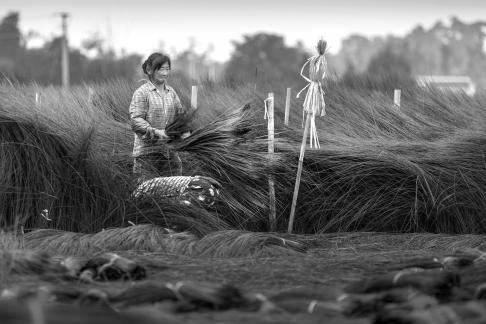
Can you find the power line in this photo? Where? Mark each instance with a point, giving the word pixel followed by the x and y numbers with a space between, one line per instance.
pixel 36 17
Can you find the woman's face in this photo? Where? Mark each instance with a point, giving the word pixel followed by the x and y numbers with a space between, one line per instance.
pixel 161 75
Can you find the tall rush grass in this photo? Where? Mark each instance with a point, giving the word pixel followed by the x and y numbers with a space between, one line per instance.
pixel 417 168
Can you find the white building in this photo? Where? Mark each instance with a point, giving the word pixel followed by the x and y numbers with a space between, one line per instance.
pixel 449 82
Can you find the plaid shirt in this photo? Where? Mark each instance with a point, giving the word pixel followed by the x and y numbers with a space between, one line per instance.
pixel 149 110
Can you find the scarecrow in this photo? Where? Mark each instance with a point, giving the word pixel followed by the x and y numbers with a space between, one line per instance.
pixel 313 104
pixel 314 100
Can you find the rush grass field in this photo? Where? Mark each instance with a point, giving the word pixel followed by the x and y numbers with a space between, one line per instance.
pixel 387 187
pixel 417 168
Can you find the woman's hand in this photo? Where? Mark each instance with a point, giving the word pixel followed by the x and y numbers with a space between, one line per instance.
pixel 185 135
pixel 160 134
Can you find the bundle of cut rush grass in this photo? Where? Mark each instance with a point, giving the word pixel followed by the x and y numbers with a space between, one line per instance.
pixel 232 151
pixel 54 167
pixel 47 179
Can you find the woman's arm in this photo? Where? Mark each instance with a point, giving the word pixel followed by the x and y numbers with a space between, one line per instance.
pixel 138 118
pixel 138 114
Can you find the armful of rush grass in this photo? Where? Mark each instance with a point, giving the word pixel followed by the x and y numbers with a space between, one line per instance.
pixel 181 127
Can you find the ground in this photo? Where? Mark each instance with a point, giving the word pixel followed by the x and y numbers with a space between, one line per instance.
pixel 332 262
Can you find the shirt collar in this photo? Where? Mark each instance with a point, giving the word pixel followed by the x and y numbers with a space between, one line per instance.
pixel 153 87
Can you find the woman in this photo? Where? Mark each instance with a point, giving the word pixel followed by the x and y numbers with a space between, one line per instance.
pixel 154 105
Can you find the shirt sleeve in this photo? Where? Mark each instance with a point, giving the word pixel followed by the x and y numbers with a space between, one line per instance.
pixel 138 113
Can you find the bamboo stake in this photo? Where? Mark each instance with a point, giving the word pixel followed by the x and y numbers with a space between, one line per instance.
pixel 90 95
pixel 287 107
pixel 256 77
pixel 194 97
pixel 299 172
pixel 396 97
pixel 271 149
pixel 22 239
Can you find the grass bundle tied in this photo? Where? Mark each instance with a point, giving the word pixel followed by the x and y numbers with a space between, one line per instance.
pixel 433 282
pixel 334 299
pixel 314 104
pixel 111 266
pixel 195 296
pixel 12 312
pixel 148 292
pixel 189 296
pixel 465 312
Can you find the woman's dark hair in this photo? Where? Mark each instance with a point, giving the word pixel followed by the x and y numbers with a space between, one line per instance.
pixel 154 62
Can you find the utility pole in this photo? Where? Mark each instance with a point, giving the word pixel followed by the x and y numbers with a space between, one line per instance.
pixel 65 51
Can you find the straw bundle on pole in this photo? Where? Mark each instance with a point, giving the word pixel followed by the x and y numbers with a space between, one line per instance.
pixel 314 99
pixel 313 103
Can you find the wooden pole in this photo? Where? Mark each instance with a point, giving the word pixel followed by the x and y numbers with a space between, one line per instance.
pixel 287 107
pixel 65 51
pixel 194 97
pixel 272 217
pixel 299 173
pixel 396 97
pixel 90 95
pixel 256 77
pixel 22 239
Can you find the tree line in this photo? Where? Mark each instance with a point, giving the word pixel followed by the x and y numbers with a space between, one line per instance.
pixel 444 49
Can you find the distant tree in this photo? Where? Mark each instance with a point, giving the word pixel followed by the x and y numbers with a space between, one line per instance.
pixel 386 63
pixel 103 68
pixel 94 43
pixel 385 72
pixel 43 65
pixel 357 50
pixel 10 47
pixel 10 36
pixel 265 58
pixel 456 49
pixel 350 78
pixel 425 50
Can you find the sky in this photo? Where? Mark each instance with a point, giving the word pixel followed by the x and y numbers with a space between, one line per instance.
pixel 144 26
